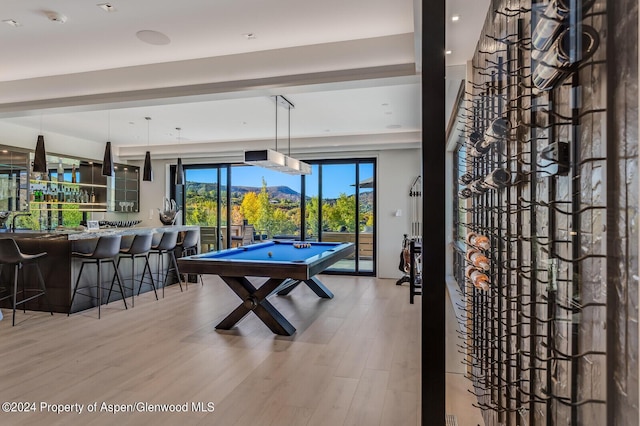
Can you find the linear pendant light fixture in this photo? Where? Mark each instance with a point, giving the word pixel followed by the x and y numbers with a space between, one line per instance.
pixel 147 172
pixel 179 168
pixel 107 162
pixel 272 159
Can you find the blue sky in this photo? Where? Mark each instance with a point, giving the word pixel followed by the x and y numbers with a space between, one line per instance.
pixel 338 178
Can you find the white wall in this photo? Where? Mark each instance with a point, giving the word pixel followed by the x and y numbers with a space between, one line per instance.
pixel 396 171
pixel 55 143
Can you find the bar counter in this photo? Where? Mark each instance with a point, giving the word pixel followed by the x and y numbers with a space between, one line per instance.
pixel 60 270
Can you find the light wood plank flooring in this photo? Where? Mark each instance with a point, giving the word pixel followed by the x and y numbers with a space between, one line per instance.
pixel 354 360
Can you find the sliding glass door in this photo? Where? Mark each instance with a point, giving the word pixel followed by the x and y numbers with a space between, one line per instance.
pixel 335 203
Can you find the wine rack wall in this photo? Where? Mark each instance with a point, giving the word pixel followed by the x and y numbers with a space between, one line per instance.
pixel 548 202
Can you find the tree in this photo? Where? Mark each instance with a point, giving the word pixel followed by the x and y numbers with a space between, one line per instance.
pixel 264 221
pixel 250 207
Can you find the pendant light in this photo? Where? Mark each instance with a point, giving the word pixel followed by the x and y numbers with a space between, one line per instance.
pixel 272 159
pixel 147 172
pixel 179 168
pixel 40 156
pixel 107 162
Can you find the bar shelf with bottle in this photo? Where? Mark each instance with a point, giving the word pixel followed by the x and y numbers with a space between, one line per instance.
pixel 46 195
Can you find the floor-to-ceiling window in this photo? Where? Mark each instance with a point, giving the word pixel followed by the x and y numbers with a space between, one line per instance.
pixel 346 212
pixel 337 202
pixel 268 200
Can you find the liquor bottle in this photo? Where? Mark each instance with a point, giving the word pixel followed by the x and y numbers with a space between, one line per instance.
pixel 60 171
pixel 478 259
pixel 498 178
pixel 479 241
pixel 93 196
pixel 73 174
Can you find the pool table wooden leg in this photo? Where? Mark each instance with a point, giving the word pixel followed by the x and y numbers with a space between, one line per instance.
pixel 287 286
pixel 314 284
pixel 233 318
pixel 256 300
pixel 318 288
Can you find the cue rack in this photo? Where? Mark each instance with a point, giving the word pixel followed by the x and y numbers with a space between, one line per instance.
pixel 412 244
pixel 532 203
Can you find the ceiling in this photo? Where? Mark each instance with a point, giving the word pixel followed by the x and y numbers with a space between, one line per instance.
pixel 349 67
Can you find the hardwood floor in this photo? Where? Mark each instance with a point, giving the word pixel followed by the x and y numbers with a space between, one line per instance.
pixel 354 360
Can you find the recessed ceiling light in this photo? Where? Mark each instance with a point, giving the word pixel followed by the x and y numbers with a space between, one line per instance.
pixel 385 104
pixel 55 17
pixel 388 113
pixel 12 22
pixel 455 18
pixel 107 7
pixel 153 37
pixel 448 52
pixel 394 126
pixel 249 36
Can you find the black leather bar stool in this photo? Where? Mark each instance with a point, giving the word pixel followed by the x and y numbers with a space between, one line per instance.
pixel 139 247
pixel 10 254
pixel 106 250
pixel 189 245
pixel 167 245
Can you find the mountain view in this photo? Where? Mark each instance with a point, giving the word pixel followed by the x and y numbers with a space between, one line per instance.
pixel 275 210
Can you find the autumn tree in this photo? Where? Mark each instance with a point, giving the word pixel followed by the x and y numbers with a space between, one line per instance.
pixel 250 207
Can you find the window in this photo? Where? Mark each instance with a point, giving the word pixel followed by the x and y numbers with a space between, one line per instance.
pixel 337 202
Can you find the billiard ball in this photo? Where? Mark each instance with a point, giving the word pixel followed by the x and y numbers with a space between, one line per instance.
pixel 270 254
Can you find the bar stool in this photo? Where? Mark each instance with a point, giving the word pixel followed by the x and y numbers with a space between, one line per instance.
pixel 10 254
pixel 167 245
pixel 106 250
pixel 139 247
pixel 189 245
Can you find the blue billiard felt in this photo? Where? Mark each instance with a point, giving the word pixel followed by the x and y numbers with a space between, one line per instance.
pixel 281 251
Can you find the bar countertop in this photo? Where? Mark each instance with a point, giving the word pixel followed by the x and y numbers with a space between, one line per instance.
pixel 73 235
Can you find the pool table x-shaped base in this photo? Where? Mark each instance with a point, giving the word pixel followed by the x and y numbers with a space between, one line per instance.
pixel 255 300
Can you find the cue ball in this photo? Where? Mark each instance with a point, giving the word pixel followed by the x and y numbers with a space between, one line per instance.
pixel 269 254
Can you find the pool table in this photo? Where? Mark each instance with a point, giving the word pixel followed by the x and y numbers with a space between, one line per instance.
pixel 286 264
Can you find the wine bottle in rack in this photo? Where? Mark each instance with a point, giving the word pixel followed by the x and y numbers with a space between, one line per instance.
pixel 478 187
pixel 478 259
pixel 465 193
pixel 465 179
pixel 549 24
pixel 498 178
pixel 479 149
pixel 478 279
pixel 554 63
pixel 496 131
pixel 474 137
pixel 478 240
